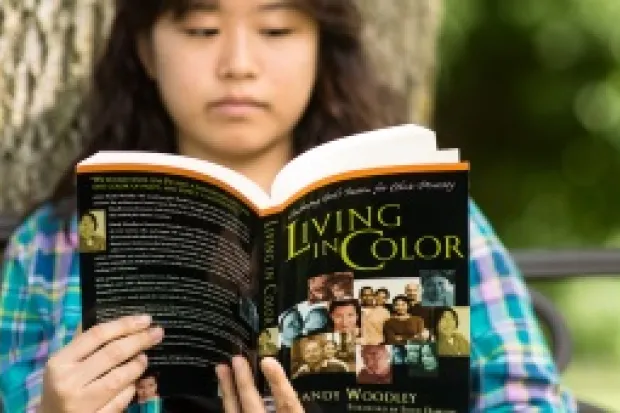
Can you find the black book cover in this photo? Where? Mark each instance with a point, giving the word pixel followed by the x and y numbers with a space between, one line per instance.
pixel 359 285
pixel 178 248
pixel 373 275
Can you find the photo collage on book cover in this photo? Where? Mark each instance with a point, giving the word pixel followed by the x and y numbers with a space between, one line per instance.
pixel 372 327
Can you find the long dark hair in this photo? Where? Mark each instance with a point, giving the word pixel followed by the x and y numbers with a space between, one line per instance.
pixel 125 112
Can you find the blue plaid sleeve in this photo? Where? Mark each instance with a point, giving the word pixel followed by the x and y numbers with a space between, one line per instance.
pixel 23 347
pixel 40 308
pixel 512 368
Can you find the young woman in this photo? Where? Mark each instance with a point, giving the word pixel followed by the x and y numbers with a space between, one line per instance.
pixel 449 341
pixel 247 84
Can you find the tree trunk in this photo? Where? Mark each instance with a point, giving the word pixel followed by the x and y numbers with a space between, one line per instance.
pixel 47 49
pixel 46 52
pixel 402 35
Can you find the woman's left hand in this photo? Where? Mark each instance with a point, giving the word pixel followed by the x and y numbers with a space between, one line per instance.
pixel 240 394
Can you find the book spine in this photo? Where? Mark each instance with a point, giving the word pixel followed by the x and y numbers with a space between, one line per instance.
pixel 268 341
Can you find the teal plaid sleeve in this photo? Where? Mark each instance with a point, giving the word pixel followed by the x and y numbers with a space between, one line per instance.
pixel 24 315
pixel 512 369
pixel 40 308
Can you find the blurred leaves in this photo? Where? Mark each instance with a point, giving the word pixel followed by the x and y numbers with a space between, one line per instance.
pixel 530 90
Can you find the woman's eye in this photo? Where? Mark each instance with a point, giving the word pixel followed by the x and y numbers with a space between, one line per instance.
pixel 276 32
pixel 202 32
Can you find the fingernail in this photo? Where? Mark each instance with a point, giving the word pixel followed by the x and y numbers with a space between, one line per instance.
pixel 142 358
pixel 156 333
pixel 143 320
pixel 237 362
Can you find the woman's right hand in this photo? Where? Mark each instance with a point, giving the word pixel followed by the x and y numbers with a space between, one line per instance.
pixel 239 392
pixel 97 370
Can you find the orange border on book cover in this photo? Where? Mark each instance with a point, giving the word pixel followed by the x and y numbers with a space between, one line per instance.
pixel 358 173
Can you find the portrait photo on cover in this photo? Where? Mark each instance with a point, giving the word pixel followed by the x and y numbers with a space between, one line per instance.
pixel 329 307
pixel 92 231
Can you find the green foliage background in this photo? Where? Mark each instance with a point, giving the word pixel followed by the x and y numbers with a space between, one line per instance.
pixel 530 90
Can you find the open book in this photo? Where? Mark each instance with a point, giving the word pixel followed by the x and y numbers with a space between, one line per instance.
pixel 352 271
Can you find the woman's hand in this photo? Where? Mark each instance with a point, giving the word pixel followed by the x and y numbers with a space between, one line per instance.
pixel 241 396
pixel 97 370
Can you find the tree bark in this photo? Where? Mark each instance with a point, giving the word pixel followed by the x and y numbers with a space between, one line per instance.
pixel 402 39
pixel 47 50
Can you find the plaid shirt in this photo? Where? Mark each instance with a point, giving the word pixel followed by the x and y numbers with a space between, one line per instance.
pixel 511 367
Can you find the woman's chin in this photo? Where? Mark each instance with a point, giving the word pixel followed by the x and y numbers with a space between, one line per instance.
pixel 234 144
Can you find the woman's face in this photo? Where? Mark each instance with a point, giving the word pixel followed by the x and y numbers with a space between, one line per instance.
pixel 344 318
pixel 235 75
pixel 447 323
pixel 312 353
pixel 329 350
pixel 401 307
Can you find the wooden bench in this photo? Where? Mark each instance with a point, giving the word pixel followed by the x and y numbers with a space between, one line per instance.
pixel 551 265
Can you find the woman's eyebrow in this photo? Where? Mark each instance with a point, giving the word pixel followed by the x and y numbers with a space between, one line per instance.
pixel 278 5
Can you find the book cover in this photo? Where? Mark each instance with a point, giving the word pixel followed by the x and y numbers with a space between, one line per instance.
pixel 355 276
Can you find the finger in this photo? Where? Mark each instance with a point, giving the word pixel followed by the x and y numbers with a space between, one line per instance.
pixel 101 391
pixel 119 403
pixel 284 396
pixel 117 352
pixel 78 330
pixel 251 400
pixel 86 343
pixel 227 388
